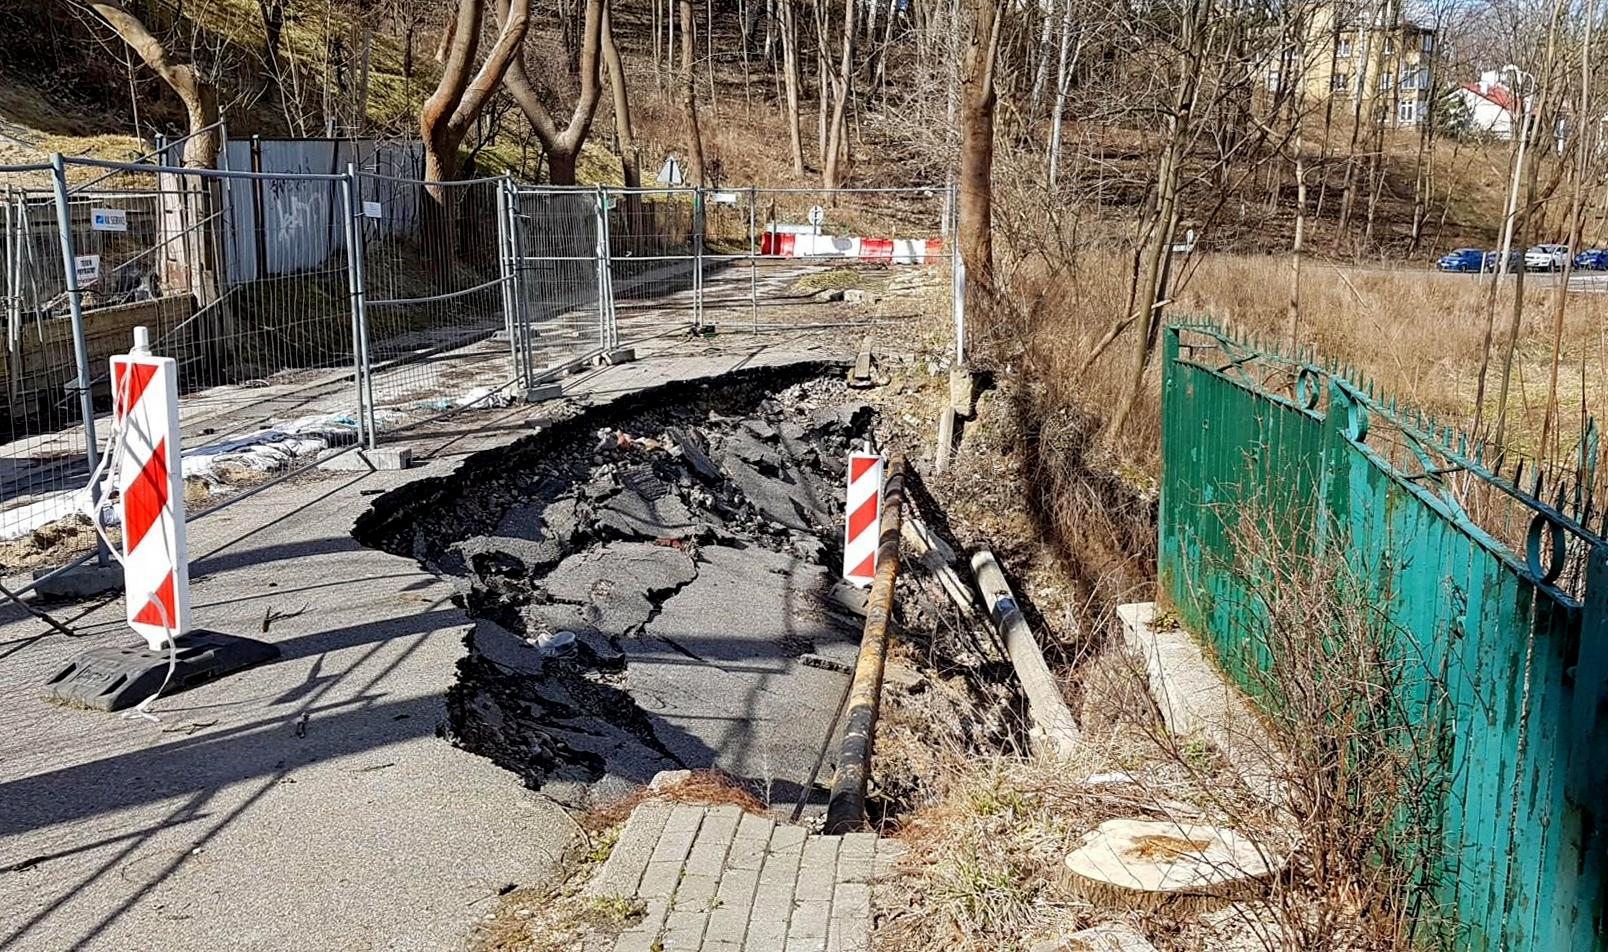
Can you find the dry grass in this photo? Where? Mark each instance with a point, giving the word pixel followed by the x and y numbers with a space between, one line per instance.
pixel 1418 334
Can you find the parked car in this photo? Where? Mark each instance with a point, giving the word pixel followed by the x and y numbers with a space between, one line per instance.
pixel 1546 258
pixel 1493 260
pixel 1592 259
pixel 1462 261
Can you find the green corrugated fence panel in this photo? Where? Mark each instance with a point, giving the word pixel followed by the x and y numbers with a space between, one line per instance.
pixel 1521 713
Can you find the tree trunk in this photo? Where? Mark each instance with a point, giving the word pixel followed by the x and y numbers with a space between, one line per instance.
pixel 689 100
pixel 836 143
pixel 199 95
pixel 790 76
pixel 562 145
pixel 976 189
pixel 624 131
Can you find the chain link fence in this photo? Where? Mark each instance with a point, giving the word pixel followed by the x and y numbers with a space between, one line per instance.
pixel 315 311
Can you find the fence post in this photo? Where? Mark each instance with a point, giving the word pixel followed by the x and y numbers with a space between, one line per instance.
pixel 697 256
pixel 505 270
pixel 354 280
pixel 753 261
pixel 600 227
pixel 957 270
pixel 75 306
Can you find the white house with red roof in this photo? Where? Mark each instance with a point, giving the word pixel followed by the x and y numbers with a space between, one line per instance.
pixel 1493 108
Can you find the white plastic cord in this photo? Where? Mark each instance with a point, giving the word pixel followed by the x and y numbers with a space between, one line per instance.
pixel 110 464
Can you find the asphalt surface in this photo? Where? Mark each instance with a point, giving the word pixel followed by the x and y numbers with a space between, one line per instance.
pixel 308 803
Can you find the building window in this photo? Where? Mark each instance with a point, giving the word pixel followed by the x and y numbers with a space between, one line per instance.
pixel 1387 79
pixel 1340 82
pixel 1390 46
pixel 1429 42
pixel 1342 48
pixel 1272 80
pixel 1407 113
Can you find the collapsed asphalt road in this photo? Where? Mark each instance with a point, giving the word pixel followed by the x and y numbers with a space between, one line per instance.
pixel 652 586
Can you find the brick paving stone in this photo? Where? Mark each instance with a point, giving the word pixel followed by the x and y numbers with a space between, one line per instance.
pixel 851 901
pixel 809 927
pixel 767 935
pixel 684 817
pixel 715 835
pixel 888 855
pixel 683 931
pixel 781 862
pixel 753 826
pixel 623 870
pixel 856 855
pixel 817 869
pixel 696 892
pixel 642 936
pixel 660 879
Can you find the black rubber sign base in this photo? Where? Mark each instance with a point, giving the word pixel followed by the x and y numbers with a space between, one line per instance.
pixel 112 678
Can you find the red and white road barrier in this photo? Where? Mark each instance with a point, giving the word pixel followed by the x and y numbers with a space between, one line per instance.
pixel 150 485
pixel 786 244
pixel 864 517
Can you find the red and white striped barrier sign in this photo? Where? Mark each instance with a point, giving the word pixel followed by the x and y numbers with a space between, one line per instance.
pixel 150 484
pixel 864 518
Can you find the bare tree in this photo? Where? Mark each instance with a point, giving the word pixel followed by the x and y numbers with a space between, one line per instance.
pixel 198 93
pixel 458 100
pixel 563 146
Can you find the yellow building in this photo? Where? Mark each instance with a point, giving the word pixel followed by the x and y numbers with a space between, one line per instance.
pixel 1388 63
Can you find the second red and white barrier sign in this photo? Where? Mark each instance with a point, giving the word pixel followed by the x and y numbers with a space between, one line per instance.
pixel 864 518
pixel 150 485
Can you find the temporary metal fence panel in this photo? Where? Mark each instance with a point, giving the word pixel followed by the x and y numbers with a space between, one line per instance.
pixel 265 364
pixel 432 297
pixel 560 259
pixel 655 247
pixel 829 257
pixel 44 457
pixel 1496 602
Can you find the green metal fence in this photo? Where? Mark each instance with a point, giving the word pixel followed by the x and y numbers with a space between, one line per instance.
pixel 1496 596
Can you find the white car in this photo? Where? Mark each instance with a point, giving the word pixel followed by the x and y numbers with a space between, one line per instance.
pixel 1546 258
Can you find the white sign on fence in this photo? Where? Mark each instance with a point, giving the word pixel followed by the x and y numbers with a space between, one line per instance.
pixel 724 198
pixel 108 219
pixel 86 268
pixel 373 210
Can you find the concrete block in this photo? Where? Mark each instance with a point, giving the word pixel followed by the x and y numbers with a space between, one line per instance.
pixel 543 392
pixel 620 355
pixel 387 458
pixel 80 581
pixel 623 870
pixel 1196 699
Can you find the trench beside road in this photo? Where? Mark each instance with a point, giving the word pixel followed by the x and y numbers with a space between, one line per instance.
pixel 652 589
pixel 310 803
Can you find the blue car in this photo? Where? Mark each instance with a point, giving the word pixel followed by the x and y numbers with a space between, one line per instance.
pixel 1592 259
pixel 1464 260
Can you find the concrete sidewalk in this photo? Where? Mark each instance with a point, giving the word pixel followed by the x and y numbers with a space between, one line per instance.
pixel 307 804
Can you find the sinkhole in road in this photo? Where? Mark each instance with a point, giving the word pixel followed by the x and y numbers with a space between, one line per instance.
pixel 652 585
